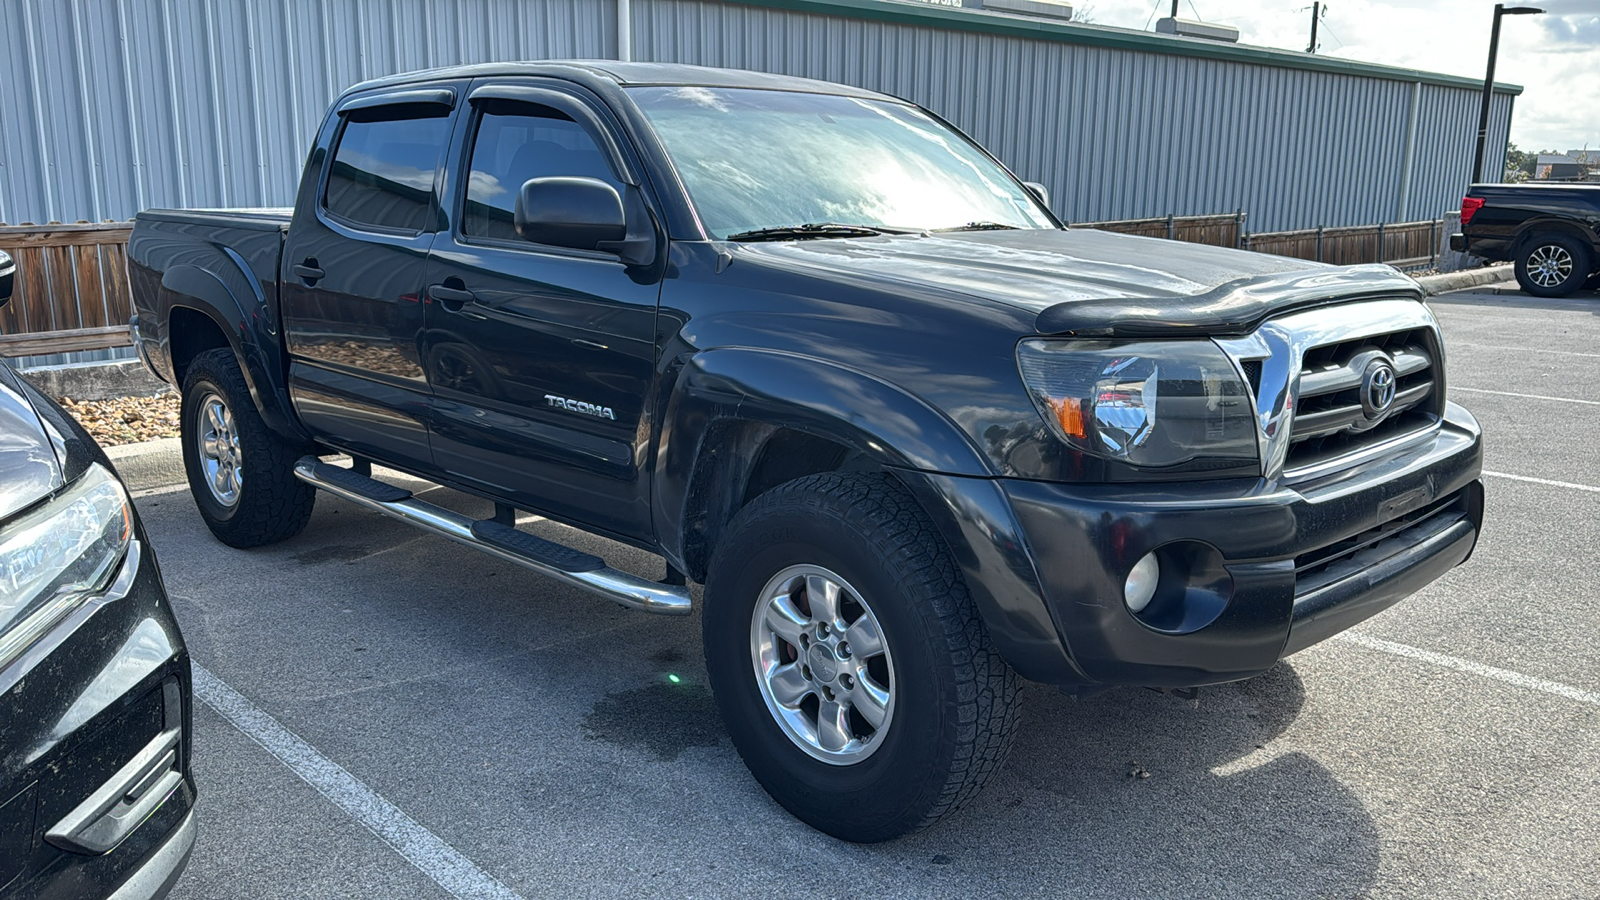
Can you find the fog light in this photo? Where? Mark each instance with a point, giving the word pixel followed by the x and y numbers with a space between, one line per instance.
pixel 1141 584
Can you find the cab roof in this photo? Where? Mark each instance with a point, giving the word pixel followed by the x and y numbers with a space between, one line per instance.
pixel 628 74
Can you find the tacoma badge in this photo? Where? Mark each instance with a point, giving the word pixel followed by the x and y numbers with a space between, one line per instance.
pixel 578 406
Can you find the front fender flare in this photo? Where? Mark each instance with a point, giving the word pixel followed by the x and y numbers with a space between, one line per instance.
pixel 866 414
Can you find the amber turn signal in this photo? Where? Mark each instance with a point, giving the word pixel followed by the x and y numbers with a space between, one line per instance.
pixel 1069 413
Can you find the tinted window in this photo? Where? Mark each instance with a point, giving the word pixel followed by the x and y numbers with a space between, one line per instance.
pixel 383 170
pixel 517 142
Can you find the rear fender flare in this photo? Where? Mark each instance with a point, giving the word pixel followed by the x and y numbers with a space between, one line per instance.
pixel 192 287
pixel 1529 230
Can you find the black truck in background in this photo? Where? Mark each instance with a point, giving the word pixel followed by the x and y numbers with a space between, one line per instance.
pixel 827 357
pixel 1550 231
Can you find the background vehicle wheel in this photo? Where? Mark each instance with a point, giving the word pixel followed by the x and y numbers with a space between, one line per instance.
pixel 848 661
pixel 1553 265
pixel 240 473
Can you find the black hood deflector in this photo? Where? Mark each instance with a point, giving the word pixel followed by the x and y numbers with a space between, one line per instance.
pixel 1235 308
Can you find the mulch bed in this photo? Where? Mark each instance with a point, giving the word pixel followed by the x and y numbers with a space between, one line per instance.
pixel 127 420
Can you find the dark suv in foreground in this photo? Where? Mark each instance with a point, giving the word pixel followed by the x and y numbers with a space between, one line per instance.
pixel 96 796
pixel 828 357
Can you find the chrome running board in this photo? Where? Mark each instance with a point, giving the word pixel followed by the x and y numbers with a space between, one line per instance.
pixel 574 567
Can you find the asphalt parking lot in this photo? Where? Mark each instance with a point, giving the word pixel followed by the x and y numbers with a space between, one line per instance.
pixel 385 714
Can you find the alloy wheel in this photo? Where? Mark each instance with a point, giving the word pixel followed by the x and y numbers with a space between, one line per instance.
pixel 822 665
pixel 220 456
pixel 1550 265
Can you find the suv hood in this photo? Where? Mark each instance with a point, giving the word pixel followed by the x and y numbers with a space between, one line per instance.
pixel 1094 283
pixel 29 470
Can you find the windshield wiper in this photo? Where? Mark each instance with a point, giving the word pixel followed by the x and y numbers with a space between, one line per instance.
pixel 808 230
pixel 981 226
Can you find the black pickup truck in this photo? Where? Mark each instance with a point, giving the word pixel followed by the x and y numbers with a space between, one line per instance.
pixel 1550 231
pixel 826 356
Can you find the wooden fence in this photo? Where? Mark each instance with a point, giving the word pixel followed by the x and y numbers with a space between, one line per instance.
pixel 72 280
pixel 71 288
pixel 1218 231
pixel 1405 245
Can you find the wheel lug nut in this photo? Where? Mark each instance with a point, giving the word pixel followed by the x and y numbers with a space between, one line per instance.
pixel 844 650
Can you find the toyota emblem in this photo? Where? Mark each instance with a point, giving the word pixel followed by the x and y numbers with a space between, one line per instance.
pixel 1377 389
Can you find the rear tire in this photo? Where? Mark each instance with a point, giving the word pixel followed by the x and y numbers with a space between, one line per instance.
pixel 1553 265
pixel 879 740
pixel 241 473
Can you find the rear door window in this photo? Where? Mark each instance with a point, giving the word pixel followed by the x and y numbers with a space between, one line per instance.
pixel 515 143
pixel 383 169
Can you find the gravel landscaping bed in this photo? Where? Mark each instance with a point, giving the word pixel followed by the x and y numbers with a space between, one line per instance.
pixel 127 420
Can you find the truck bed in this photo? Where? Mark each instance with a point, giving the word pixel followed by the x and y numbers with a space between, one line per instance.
pixel 257 219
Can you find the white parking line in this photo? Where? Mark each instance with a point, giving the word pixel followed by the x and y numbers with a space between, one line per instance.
pixel 1532 350
pixel 1560 484
pixel 1456 387
pixel 1466 665
pixel 422 848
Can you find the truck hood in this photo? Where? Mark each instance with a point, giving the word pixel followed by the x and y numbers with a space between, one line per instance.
pixel 1094 283
pixel 29 470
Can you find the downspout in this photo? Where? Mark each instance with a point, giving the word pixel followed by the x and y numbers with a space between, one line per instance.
pixel 1411 153
pixel 624 30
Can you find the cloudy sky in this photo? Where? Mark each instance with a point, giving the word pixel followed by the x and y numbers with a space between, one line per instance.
pixel 1555 57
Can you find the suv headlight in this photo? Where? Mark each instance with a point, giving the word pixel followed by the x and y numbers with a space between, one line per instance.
pixel 66 550
pixel 1149 404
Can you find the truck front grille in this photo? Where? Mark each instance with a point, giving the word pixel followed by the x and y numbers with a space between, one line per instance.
pixel 1330 421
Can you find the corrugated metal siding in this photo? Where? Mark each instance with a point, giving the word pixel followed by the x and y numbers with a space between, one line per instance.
pixel 118 105
pixel 1117 134
pixel 113 106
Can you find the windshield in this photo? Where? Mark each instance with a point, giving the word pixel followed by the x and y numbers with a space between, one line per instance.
pixel 759 159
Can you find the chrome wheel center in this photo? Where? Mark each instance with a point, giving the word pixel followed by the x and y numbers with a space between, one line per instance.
pixel 822 665
pixel 1549 265
pixel 221 461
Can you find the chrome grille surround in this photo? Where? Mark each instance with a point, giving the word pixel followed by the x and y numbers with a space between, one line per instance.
pixel 1310 420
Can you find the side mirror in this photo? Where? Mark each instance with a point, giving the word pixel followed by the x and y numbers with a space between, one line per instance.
pixel 578 213
pixel 8 276
pixel 1039 191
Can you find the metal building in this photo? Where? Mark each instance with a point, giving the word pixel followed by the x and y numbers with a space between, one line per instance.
pixel 110 106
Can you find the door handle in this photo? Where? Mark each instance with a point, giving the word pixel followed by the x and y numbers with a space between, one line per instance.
pixel 308 272
pixel 446 294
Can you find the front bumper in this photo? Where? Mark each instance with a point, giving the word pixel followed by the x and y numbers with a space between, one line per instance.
pixel 83 812
pixel 155 878
pixel 1270 569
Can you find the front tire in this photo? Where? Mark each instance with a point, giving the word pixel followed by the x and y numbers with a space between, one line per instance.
pixel 241 473
pixel 849 663
pixel 1553 265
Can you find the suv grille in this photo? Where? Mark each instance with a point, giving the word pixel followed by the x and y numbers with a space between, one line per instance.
pixel 1330 420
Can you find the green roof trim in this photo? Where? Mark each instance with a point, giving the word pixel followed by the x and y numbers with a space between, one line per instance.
pixel 911 12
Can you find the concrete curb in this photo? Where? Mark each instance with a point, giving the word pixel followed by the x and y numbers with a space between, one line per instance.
pixel 1455 281
pixel 149 464
pixel 96 381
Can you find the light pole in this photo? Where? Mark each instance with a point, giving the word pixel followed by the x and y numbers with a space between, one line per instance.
pixel 1488 80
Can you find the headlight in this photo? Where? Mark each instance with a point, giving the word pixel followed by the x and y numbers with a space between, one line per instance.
pixel 67 549
pixel 1150 404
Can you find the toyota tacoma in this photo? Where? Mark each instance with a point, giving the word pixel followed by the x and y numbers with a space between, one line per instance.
pixel 829 358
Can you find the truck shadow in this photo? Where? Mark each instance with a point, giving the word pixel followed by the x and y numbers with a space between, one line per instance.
pixel 1153 796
